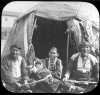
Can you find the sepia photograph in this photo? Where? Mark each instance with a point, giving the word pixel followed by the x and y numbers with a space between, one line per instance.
pixel 50 47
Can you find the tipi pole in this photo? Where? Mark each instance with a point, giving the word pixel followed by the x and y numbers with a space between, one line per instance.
pixel 67 47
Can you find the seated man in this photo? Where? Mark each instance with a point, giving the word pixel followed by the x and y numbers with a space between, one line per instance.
pixel 82 66
pixel 13 70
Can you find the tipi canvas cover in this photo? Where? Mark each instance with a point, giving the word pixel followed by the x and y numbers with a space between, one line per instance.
pixel 74 13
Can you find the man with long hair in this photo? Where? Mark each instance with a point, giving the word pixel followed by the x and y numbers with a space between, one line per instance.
pixel 82 67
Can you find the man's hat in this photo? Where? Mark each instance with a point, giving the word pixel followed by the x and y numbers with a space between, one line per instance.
pixel 84 44
pixel 15 46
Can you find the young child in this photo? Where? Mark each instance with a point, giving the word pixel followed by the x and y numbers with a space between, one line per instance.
pixel 48 83
pixel 38 71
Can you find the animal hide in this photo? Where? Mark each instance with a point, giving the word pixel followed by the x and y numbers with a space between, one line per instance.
pixel 74 27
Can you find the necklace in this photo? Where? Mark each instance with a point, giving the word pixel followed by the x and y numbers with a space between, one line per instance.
pixel 51 64
pixel 84 61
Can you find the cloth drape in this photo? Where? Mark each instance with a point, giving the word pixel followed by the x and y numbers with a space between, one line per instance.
pixel 21 34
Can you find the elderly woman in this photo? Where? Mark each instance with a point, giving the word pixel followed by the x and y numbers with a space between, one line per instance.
pixel 82 66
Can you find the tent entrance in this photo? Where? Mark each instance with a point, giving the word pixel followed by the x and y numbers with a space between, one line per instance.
pixel 51 33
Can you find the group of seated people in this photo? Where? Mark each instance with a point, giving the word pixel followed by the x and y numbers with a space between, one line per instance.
pixel 36 75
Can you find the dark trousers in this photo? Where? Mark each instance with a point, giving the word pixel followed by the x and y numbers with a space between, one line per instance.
pixel 44 87
pixel 79 87
pixel 15 89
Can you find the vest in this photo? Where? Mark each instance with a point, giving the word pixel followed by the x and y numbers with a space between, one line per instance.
pixel 53 68
pixel 76 74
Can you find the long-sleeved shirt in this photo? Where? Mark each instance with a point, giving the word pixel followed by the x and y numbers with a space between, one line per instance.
pixel 77 63
pixel 11 70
